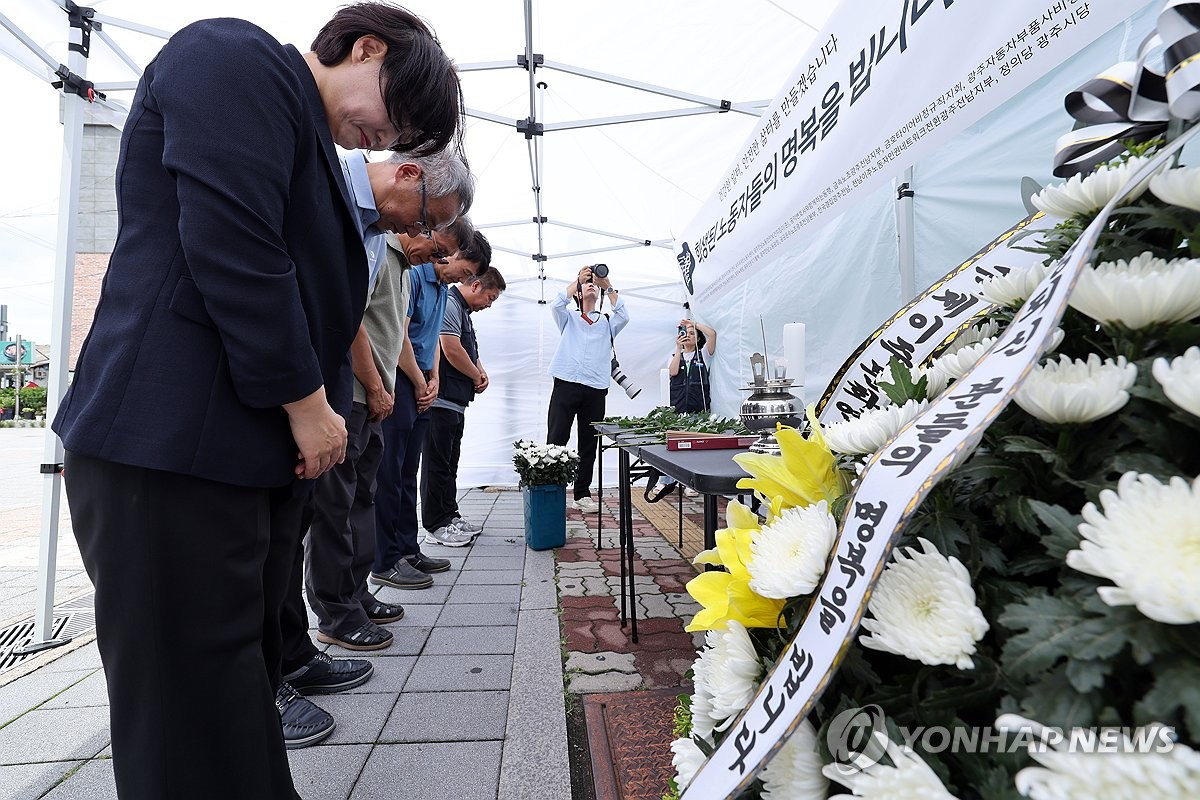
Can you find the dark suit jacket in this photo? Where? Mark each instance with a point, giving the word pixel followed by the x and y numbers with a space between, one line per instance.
pixel 239 277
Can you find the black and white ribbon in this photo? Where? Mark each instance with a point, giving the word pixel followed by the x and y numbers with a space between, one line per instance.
pixel 1136 99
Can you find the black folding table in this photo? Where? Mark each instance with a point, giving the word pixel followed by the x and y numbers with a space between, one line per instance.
pixel 711 473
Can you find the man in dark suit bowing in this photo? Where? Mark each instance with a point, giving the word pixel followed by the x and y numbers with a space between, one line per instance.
pixel 216 375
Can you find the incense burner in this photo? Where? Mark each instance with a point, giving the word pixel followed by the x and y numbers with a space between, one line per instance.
pixel 770 404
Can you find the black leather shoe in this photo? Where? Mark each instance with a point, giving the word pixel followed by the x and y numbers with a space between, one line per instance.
pixel 428 564
pixel 402 576
pixel 325 674
pixel 304 723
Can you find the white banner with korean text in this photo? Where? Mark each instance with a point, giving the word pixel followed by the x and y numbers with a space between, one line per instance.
pixel 889 490
pixel 915 332
pixel 884 84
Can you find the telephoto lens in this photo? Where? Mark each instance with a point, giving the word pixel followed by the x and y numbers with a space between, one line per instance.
pixel 600 270
pixel 631 389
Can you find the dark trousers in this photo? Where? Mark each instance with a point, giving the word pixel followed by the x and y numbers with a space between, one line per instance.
pixel 574 402
pixel 439 474
pixel 297 647
pixel 340 547
pixel 396 483
pixel 189 575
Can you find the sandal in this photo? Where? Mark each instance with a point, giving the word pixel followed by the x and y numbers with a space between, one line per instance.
pixel 367 636
pixel 655 492
pixel 383 613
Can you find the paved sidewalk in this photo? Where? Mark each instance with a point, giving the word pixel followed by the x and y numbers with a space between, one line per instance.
pixel 467 703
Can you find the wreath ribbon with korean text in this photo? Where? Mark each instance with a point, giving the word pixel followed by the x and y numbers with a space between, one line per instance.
pixel 1134 99
pixel 951 298
pixel 890 489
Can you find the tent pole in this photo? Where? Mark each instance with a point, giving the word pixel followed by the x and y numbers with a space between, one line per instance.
pixel 905 234
pixel 533 135
pixel 64 281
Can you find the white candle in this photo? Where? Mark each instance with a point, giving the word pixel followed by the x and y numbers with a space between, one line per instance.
pixel 793 351
pixel 664 387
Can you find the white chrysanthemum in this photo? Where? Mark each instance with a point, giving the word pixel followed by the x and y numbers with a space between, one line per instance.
pixel 936 379
pixel 871 431
pixel 1143 291
pixel 1103 771
pixel 988 329
pixel 1147 542
pixel 687 759
pixel 1067 391
pixel 703 721
pixel 923 608
pixel 957 363
pixel 727 672
pixel 1180 379
pixel 1179 187
pixel 1087 195
pixel 794 773
pixel 908 777
pixel 789 554
pixel 1014 288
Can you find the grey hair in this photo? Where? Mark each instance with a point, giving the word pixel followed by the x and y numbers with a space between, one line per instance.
pixel 445 173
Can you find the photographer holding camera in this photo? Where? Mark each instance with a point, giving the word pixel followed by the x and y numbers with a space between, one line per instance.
pixel 691 388
pixel 582 367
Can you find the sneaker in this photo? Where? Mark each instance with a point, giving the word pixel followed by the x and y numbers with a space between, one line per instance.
pixel 466 526
pixel 402 576
pixel 367 636
pixel 690 492
pixel 428 564
pixel 448 536
pixel 586 504
pixel 304 722
pixel 324 674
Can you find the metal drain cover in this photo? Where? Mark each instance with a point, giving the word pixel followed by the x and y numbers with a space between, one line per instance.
pixel 73 618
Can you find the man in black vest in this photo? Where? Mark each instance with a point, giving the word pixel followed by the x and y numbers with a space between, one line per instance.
pixel 462 377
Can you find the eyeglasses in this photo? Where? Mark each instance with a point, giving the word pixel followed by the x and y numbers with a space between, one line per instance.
pixel 437 254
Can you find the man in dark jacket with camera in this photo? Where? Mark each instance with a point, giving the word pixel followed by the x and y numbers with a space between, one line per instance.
pixel 462 377
pixel 582 368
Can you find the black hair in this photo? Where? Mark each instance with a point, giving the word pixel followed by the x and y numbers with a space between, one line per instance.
pixel 490 279
pixel 419 83
pixel 478 250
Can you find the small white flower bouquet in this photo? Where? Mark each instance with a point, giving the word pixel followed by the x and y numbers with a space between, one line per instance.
pixel 543 464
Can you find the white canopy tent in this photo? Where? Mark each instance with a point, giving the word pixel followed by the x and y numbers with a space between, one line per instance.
pixel 576 165
pixel 619 192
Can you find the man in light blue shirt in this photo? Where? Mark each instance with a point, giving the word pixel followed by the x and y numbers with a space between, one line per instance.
pixel 582 370
pixel 354 167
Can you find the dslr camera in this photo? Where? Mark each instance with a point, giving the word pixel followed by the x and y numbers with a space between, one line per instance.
pixel 631 389
pixel 599 271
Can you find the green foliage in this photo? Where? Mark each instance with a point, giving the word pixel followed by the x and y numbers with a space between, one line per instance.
pixel 33 399
pixel 663 418
pixel 902 388
pixel 682 725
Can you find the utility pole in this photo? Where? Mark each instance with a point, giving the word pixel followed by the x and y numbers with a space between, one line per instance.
pixel 17 381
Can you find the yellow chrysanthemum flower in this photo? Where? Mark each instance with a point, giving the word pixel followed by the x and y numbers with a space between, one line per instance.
pixel 727 595
pixel 804 473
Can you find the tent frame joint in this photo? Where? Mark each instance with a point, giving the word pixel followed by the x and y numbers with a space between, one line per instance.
pixel 530 128
pixel 538 60
pixel 71 83
pixel 81 17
